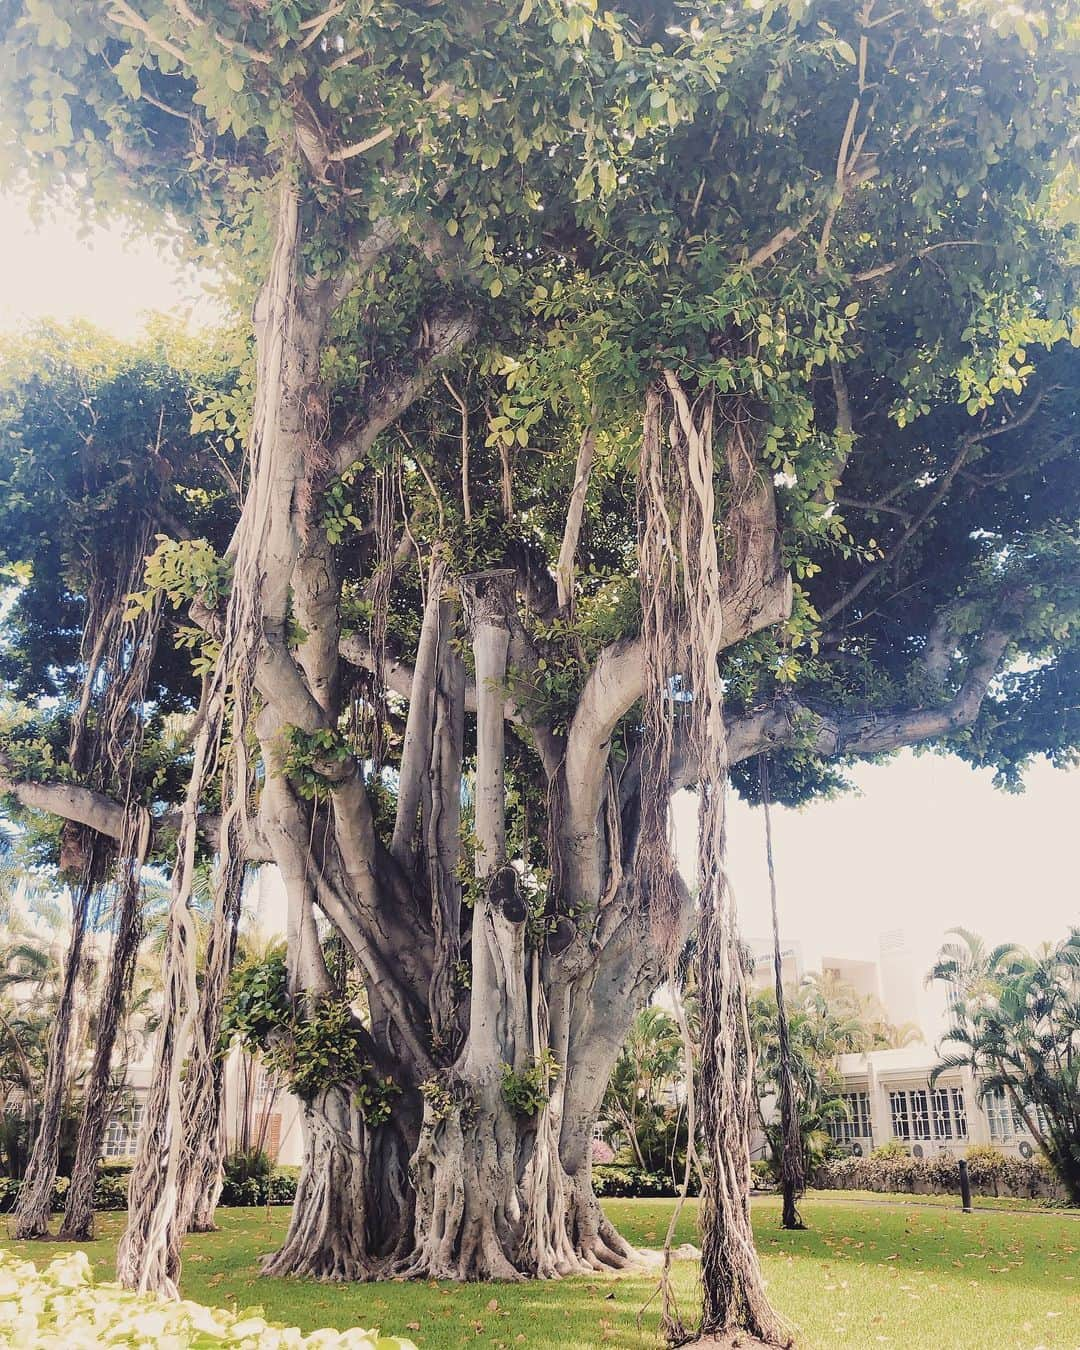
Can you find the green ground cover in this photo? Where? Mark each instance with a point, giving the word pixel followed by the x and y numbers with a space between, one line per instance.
pixel 1011 1202
pixel 864 1276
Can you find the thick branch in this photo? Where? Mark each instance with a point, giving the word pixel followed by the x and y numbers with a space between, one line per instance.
pixel 416 747
pixel 96 811
pixel 792 723
pixel 440 336
pixel 79 804
pixel 564 568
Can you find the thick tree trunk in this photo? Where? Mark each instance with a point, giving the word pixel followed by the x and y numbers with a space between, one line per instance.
pixel 327 1237
pixel 34 1209
pixel 390 1197
pixel 465 1170
pixel 468 1210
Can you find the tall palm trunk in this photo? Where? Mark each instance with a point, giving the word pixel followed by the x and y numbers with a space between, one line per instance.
pixel 792 1179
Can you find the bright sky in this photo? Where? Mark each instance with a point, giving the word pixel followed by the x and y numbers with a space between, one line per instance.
pixel 927 844
pixel 48 271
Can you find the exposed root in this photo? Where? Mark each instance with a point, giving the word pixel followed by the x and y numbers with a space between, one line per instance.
pixel 467 1208
pixel 739 1340
pixel 326 1238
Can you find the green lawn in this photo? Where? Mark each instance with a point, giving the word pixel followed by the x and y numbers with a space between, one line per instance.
pixel 947 1201
pixel 864 1276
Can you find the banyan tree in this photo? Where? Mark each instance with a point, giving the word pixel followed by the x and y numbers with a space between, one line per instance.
pixel 630 392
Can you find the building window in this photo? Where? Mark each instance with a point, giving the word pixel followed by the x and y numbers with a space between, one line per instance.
pixel 959 1112
pixel 856 1123
pixel 1000 1115
pixel 943 1124
pixel 898 1109
pixel 859 1106
pixel 950 1116
pixel 920 1114
pixel 122 1132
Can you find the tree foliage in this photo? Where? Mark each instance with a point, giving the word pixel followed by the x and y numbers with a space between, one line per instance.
pixel 481 245
pixel 1015 1021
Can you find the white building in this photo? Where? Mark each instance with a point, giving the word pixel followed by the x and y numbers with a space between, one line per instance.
pixel 791 963
pixel 258 1112
pixel 890 1098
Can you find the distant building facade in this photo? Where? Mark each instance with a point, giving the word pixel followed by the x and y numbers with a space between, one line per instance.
pixel 890 1098
pixel 791 963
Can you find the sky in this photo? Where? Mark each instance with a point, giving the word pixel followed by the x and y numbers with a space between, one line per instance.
pixel 926 844
pixel 48 271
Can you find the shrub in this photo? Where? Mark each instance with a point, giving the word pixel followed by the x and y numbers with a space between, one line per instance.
pixel 281 1189
pixel 997 1173
pixel 762 1174
pixel 250 1179
pixel 893 1149
pixel 61 1308
pixel 110 1189
pixel 250 1164
pixel 890 1169
pixel 618 1181
pixel 624 1183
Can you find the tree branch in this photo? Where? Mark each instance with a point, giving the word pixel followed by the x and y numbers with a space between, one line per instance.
pixel 792 723
pixel 564 568
pixel 229 44
pixel 967 444
pixel 81 805
pixel 441 335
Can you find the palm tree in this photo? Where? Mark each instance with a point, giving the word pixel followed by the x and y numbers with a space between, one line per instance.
pixel 643 1083
pixel 1016 1024
pixel 814 1081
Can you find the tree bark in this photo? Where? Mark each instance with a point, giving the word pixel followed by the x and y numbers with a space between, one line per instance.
pixel 327 1237
pixel 207 1172
pixel 78 1222
pixel 792 1179
pixel 469 1219
pixel 34 1209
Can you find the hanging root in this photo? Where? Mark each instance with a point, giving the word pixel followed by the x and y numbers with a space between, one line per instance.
pixel 683 582
pixel 103 747
pixel 792 1181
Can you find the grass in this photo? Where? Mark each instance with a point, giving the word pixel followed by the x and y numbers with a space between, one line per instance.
pixel 863 1276
pixel 1012 1202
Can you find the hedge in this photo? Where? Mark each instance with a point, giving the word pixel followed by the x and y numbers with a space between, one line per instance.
pixel 61 1308
pixel 279 1188
pixel 110 1191
pixel 992 1174
pixel 617 1181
